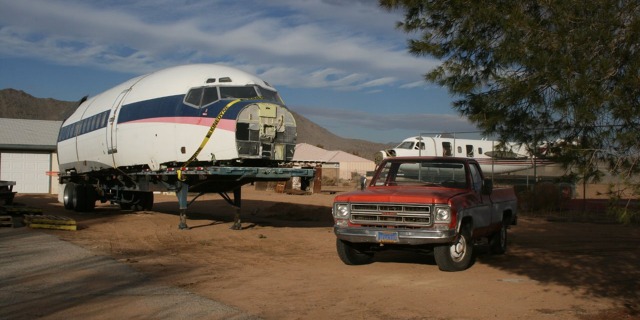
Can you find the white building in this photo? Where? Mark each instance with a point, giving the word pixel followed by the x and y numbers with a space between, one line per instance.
pixel 338 164
pixel 28 154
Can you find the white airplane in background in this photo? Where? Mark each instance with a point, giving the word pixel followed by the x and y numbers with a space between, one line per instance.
pixel 509 158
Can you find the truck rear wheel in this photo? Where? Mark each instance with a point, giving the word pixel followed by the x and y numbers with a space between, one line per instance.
pixel 456 256
pixel 351 255
pixel 498 241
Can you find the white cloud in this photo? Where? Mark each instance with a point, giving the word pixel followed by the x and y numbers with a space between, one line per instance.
pixel 311 44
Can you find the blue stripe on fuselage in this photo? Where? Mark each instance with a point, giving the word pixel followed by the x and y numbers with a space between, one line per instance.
pixel 173 106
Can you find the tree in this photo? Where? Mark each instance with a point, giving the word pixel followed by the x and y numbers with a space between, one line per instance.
pixel 540 71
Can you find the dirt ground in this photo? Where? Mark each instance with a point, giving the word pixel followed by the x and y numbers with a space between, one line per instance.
pixel 283 264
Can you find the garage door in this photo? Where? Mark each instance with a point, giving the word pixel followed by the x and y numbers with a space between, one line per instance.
pixel 28 170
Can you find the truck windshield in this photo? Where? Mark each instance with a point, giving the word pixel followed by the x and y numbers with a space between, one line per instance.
pixel 446 174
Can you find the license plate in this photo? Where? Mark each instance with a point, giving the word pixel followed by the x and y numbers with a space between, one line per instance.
pixel 387 237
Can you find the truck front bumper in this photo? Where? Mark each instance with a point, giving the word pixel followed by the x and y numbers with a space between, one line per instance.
pixel 406 237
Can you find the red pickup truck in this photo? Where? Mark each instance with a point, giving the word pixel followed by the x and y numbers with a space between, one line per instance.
pixel 442 204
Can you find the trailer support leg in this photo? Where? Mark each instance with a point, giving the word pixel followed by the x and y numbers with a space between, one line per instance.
pixel 181 193
pixel 237 200
pixel 236 203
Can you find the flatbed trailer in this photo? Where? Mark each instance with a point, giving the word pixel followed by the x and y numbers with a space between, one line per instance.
pixel 133 188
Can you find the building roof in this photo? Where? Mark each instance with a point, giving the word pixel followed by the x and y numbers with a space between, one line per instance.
pixel 307 152
pixel 25 134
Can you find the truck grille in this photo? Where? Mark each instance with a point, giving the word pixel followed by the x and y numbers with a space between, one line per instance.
pixel 391 214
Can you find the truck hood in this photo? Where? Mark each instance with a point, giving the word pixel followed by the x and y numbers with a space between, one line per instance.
pixel 431 195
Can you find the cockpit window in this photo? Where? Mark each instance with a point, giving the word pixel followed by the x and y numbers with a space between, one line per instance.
pixel 194 96
pixel 209 96
pixel 270 95
pixel 238 92
pixel 405 145
pixel 203 96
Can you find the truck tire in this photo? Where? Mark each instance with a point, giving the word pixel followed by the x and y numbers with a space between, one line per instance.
pixel 67 197
pixel 498 240
pixel 456 256
pixel 350 255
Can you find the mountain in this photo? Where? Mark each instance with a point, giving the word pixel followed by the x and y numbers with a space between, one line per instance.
pixel 21 105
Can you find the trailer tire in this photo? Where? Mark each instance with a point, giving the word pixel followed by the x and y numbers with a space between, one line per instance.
pixel 351 255
pixel 456 256
pixel 67 197
pixel 90 197
pixel 146 200
pixel 79 198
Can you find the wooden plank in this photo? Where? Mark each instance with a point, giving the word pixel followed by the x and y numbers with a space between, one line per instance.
pixel 49 219
pixel 53 226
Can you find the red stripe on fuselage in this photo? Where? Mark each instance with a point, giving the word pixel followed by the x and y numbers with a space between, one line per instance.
pixel 224 124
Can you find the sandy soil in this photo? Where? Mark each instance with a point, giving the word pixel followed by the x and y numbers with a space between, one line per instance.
pixel 283 264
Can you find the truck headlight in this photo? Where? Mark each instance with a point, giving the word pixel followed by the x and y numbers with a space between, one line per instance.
pixel 443 214
pixel 341 211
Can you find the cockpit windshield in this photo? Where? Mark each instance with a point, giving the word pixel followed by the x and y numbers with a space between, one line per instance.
pixel 204 96
pixel 238 92
pixel 405 145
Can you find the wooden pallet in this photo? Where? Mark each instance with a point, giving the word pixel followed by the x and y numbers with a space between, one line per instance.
pixel 10 221
pixel 50 222
pixel 16 210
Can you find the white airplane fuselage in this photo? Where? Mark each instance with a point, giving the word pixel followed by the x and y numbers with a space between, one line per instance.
pixel 514 158
pixel 163 118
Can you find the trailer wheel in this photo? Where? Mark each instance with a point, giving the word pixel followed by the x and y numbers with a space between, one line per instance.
pixel 90 197
pixel 67 197
pixel 351 255
pixel 79 197
pixel 456 256
pixel 146 200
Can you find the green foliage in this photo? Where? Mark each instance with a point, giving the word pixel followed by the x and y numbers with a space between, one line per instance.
pixel 537 72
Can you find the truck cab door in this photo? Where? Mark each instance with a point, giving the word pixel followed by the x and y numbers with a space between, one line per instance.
pixel 483 211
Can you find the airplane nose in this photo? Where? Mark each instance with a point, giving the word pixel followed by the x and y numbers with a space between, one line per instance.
pixel 266 131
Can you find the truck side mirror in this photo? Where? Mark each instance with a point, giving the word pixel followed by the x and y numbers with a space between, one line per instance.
pixel 487 186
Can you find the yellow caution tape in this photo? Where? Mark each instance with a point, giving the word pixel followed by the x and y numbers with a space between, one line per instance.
pixel 206 138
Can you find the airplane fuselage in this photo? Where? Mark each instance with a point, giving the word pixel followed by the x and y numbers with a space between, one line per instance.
pixel 508 158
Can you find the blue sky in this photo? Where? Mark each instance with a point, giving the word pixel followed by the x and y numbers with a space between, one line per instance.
pixel 342 64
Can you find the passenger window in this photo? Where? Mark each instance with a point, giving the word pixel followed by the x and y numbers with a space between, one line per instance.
pixel 459 149
pixel 446 149
pixel 479 150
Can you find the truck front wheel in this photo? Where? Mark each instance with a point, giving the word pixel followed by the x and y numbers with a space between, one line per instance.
pixel 350 254
pixel 456 256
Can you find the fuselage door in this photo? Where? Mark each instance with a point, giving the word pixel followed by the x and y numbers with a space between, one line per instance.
pixel 112 133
